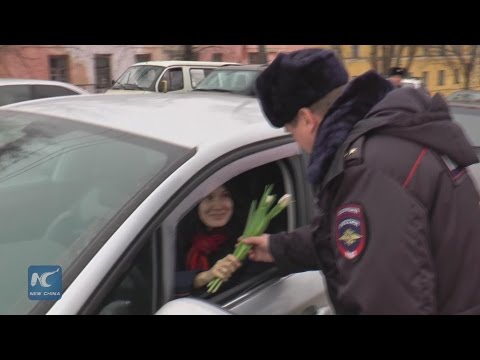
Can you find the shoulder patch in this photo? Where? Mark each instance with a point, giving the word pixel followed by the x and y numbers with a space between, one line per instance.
pixel 351 230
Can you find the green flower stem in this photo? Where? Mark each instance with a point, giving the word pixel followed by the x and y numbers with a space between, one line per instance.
pixel 258 220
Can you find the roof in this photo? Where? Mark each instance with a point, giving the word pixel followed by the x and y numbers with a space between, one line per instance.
pixel 184 63
pixel 188 119
pixel 15 81
pixel 255 67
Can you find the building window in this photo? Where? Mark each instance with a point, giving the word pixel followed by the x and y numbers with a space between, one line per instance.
pixel 103 76
pixel 456 76
pixel 253 58
pixel 143 57
pixel 425 77
pixel 217 57
pixel 441 77
pixel 355 51
pixel 59 68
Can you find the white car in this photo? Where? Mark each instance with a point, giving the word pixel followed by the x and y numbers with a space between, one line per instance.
pixel 94 187
pixel 176 76
pixel 16 90
pixel 412 82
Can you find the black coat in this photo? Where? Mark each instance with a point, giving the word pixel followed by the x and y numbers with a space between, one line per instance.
pixel 400 217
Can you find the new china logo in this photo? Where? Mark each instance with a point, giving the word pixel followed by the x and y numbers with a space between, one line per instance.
pixel 44 282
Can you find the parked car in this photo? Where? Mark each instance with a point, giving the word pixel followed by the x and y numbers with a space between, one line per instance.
pixel 468 117
pixel 464 96
pixel 93 189
pixel 233 79
pixel 415 83
pixel 16 90
pixel 176 76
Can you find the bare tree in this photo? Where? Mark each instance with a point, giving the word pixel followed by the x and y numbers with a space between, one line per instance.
pixel 338 51
pixel 462 57
pixel 191 52
pixel 383 57
pixel 374 57
pixel 262 54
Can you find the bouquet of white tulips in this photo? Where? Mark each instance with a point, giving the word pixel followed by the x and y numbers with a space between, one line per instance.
pixel 257 222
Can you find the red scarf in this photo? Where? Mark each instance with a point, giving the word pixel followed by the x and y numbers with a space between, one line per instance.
pixel 202 246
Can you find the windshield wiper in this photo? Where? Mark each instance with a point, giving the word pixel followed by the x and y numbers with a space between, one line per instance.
pixel 135 87
pixel 217 90
pixel 115 82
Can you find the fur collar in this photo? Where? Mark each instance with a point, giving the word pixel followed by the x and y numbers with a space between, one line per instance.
pixel 358 98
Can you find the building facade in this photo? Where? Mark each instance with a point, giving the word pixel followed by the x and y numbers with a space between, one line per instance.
pixel 438 66
pixel 95 66
pixel 92 67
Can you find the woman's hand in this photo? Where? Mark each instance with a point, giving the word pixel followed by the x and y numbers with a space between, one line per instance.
pixel 223 269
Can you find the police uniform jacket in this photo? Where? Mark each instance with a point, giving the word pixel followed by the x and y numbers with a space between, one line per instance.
pixel 398 229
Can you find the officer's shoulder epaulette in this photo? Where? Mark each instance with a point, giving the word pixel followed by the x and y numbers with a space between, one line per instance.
pixel 354 153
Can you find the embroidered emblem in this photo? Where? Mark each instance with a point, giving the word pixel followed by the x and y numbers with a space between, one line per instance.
pixel 351 231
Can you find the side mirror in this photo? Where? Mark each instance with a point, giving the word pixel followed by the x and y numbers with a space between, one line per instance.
pixel 113 82
pixel 190 306
pixel 163 87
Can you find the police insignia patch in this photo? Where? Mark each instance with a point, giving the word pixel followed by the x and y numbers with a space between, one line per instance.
pixel 351 230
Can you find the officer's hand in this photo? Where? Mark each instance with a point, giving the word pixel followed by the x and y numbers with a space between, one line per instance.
pixel 260 249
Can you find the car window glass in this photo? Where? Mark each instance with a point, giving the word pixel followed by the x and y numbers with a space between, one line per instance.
pixel 132 292
pixel 68 181
pixel 140 77
pixel 174 78
pixel 233 80
pixel 45 91
pixel 10 94
pixel 197 75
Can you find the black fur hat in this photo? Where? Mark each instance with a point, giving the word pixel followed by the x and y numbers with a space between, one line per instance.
pixel 298 79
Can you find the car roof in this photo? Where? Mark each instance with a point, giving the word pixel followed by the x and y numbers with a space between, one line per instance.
pixel 189 119
pixel 244 67
pixel 168 63
pixel 15 81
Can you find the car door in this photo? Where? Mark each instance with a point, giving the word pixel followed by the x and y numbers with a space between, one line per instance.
pixel 175 77
pixel 141 279
pixel 267 293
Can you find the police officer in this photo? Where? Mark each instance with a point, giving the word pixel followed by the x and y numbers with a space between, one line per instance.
pixel 395 76
pixel 399 224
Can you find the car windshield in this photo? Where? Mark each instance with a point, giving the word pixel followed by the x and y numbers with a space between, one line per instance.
pixel 234 81
pixel 139 77
pixel 65 187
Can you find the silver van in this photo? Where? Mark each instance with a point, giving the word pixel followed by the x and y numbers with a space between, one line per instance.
pixel 164 76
